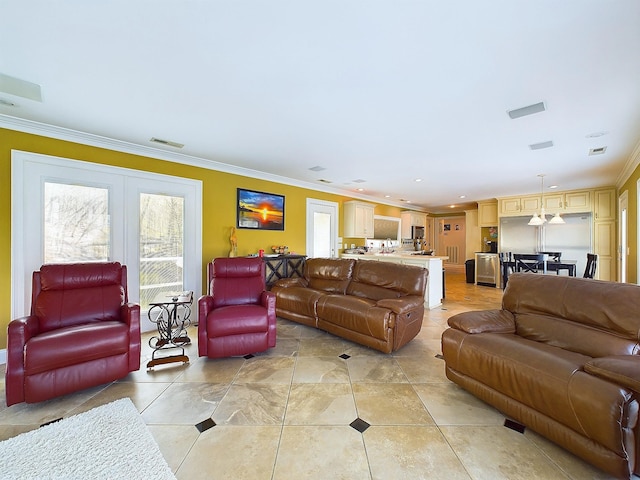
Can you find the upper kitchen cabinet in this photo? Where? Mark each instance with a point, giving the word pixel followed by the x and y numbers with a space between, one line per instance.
pixel 515 206
pixel 568 202
pixel 410 219
pixel 358 219
pixel 488 213
pixel 604 205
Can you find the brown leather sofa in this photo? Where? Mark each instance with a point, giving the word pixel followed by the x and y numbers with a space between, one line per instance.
pixel 377 304
pixel 560 357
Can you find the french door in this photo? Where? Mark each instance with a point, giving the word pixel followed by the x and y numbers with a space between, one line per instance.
pixel 67 211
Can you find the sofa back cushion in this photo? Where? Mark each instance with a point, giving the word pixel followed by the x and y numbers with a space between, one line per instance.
pixel 380 280
pixel 73 294
pixel 591 317
pixel 331 275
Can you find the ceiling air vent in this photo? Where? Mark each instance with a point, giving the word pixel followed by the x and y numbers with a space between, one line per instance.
pixel 325 181
pixel 541 145
pixel 317 168
pixel 528 110
pixel 597 151
pixel 167 142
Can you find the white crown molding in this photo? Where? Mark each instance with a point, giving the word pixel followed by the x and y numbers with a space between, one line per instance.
pixel 632 163
pixel 61 133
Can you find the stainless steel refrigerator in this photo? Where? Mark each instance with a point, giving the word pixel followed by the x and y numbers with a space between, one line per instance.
pixel 573 238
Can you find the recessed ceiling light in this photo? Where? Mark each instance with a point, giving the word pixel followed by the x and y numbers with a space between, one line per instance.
pixel 553 186
pixel 541 145
pixel 596 134
pixel 418 179
pixel 452 206
pixel 360 189
pixel 408 201
pixel 528 110
pixel 462 196
pixel 387 196
pixel 167 142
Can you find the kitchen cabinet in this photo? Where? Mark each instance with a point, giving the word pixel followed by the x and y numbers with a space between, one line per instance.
pixel 604 245
pixel 514 206
pixel 567 202
pixel 604 205
pixel 488 213
pixel 411 219
pixel 358 219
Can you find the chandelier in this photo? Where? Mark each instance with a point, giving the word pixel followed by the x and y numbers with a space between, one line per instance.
pixel 537 220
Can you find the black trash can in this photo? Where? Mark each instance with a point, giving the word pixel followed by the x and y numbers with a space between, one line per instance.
pixel 470 267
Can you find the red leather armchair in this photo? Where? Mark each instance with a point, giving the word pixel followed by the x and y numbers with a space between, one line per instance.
pixel 82 332
pixel 238 317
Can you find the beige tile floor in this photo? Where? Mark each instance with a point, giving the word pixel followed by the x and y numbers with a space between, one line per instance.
pixel 286 413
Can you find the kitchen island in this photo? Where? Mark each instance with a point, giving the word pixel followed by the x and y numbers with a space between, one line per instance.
pixel 434 289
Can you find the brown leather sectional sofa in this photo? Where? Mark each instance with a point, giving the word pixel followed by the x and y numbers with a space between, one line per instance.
pixel 377 304
pixel 562 358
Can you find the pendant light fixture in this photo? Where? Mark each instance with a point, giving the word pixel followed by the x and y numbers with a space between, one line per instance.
pixel 541 219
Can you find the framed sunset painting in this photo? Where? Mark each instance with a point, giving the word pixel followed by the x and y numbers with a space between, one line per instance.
pixel 260 210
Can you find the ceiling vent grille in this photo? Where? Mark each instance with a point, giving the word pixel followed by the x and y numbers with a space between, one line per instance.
pixel 541 145
pixel 597 151
pixel 325 181
pixel 167 142
pixel 528 110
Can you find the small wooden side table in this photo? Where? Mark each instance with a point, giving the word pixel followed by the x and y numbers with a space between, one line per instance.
pixel 172 315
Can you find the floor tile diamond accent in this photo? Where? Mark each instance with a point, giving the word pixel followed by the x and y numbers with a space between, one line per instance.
pixel 344 356
pixel 205 425
pixel 360 425
pixel 249 356
pixel 514 425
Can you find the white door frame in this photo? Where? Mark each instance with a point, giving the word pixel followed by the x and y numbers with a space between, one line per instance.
pixel 322 206
pixel 623 236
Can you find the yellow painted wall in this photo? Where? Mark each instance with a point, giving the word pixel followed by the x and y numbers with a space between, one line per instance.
pixel 218 209
pixel 631 186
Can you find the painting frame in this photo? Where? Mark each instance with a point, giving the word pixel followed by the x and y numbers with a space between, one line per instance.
pixel 256 210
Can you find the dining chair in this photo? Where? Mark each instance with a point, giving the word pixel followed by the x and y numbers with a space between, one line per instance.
pixel 506 267
pixel 530 262
pixel 590 269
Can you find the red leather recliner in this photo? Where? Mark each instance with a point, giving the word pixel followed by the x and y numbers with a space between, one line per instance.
pixel 238 317
pixel 82 332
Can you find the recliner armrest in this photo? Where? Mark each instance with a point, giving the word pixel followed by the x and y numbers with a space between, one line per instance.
pixel 401 305
pixel 268 300
pixel 484 321
pixel 20 331
pixel 622 370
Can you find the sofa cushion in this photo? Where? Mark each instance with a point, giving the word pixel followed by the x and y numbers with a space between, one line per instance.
pixel 329 274
pixel 356 314
pixel 608 306
pixel 382 280
pixel 74 345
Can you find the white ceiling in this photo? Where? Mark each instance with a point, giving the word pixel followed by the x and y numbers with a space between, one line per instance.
pixel 384 91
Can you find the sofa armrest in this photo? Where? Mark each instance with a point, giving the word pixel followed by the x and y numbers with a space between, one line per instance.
pixel 484 321
pixel 401 305
pixel 19 332
pixel 291 282
pixel 622 370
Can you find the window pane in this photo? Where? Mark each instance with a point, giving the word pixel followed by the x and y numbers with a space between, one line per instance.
pixel 76 223
pixel 161 246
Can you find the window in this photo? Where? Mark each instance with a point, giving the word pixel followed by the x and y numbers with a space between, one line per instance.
pixel 77 213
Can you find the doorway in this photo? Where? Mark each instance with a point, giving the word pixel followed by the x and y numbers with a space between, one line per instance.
pixel 623 246
pixel 322 228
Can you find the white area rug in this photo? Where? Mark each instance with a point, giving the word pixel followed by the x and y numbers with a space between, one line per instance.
pixel 107 442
